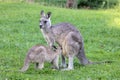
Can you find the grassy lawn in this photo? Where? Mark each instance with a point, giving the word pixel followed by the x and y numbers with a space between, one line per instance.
pixel 19 30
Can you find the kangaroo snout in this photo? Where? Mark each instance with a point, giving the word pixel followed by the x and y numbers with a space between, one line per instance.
pixel 40 26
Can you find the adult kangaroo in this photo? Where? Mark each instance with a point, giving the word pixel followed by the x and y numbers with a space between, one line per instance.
pixel 67 37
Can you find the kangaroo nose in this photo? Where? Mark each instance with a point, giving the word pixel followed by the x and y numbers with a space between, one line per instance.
pixel 40 26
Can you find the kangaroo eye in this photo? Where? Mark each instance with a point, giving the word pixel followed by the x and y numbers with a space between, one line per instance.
pixel 45 22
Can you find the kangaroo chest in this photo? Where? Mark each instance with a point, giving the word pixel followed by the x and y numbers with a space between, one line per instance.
pixel 47 35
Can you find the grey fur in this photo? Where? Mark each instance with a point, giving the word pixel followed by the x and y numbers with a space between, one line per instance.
pixel 39 54
pixel 67 37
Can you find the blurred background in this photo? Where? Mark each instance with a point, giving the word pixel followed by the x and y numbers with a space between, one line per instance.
pixel 86 4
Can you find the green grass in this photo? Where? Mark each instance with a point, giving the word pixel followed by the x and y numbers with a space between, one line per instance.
pixel 19 30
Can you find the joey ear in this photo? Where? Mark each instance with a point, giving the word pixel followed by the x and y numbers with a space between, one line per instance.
pixel 42 13
pixel 48 14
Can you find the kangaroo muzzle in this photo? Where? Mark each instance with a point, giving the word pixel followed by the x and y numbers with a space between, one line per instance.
pixel 40 26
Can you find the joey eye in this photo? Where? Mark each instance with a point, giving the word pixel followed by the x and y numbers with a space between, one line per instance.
pixel 45 22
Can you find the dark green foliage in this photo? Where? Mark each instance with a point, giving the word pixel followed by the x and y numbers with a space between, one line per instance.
pixel 60 3
pixel 90 4
pixel 97 3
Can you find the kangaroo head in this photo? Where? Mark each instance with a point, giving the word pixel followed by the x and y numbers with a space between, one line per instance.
pixel 45 21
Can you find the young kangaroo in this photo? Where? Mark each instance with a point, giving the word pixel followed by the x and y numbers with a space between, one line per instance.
pixel 39 54
pixel 67 37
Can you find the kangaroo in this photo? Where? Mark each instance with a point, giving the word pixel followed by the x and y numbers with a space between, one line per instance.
pixel 67 37
pixel 39 54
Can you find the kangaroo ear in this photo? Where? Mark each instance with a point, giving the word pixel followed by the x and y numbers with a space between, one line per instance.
pixel 42 13
pixel 48 14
